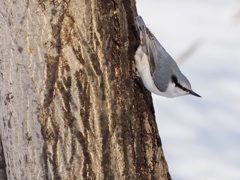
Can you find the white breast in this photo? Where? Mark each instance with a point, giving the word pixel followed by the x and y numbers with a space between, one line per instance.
pixel 142 65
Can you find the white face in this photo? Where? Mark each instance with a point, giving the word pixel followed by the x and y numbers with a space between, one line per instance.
pixel 173 91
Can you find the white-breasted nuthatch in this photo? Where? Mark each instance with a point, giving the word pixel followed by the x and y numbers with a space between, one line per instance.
pixel 157 69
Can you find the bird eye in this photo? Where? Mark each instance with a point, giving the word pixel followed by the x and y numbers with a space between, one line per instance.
pixel 177 84
pixel 174 79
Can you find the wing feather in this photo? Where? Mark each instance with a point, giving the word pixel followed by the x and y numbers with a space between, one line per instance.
pixel 161 63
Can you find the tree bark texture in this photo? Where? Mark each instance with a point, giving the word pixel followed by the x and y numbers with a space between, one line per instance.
pixel 70 107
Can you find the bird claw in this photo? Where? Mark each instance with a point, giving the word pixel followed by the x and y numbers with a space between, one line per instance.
pixel 140 83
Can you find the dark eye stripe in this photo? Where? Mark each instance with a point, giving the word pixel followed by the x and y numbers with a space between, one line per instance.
pixel 175 81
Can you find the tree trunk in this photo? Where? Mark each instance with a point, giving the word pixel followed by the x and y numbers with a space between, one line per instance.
pixel 70 107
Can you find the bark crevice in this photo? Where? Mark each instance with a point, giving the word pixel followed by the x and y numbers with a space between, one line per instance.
pixel 73 108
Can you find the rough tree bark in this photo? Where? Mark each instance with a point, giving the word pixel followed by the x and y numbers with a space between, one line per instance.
pixel 70 107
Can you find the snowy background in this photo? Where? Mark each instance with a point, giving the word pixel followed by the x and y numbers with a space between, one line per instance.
pixel 201 136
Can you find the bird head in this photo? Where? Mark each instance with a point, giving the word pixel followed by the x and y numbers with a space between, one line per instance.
pixel 180 86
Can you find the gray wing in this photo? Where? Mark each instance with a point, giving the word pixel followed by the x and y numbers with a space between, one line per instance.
pixel 164 65
pixel 145 37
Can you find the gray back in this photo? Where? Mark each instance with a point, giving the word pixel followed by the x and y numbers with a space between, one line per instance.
pixel 164 65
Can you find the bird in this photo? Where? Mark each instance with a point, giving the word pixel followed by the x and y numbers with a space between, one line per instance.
pixel 158 71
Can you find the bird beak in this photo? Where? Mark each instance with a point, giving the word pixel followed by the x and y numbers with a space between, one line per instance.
pixel 194 94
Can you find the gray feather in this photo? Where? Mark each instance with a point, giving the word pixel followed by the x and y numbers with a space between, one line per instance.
pixel 161 63
pixel 145 37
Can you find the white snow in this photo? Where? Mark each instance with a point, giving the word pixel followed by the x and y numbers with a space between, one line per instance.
pixel 201 136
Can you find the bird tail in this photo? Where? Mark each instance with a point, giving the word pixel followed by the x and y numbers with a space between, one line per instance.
pixel 142 28
pixel 140 24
